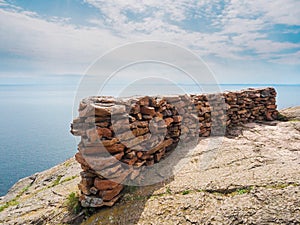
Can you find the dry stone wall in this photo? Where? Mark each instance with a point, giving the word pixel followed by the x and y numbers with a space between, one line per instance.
pixel 141 131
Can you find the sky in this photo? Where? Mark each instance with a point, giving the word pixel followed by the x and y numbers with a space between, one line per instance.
pixel 241 41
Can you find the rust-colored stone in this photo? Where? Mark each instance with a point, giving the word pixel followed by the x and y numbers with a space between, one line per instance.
pixel 103 185
pixel 111 142
pixel 84 189
pixel 104 132
pixel 168 121
pixel 139 154
pixel 159 155
pixel 160 146
pixel 110 194
pixel 144 101
pixel 148 110
pixel 177 119
pixel 271 107
pixel 140 131
pixel 130 162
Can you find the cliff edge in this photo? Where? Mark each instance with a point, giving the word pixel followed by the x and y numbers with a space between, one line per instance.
pixel 253 177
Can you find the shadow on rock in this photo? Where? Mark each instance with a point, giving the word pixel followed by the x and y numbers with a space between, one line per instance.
pixel 129 209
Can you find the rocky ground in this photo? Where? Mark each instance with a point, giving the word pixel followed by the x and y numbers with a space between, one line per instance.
pixel 40 198
pixel 252 177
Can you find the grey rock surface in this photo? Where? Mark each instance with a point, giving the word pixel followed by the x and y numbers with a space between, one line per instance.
pixel 253 179
pixel 292 113
pixel 40 199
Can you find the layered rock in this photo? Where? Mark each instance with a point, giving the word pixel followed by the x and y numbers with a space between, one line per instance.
pixel 139 132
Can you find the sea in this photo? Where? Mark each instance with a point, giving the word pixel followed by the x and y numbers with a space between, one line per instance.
pixel 36 116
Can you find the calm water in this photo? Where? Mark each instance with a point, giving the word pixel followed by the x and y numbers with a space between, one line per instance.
pixel 35 121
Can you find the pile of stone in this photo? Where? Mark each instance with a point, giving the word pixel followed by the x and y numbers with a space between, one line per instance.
pixel 140 132
pixel 251 105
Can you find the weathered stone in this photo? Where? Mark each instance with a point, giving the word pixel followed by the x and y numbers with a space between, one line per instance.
pixel 146 156
pixel 139 124
pixel 140 131
pixel 172 99
pixel 96 119
pixel 92 135
pixel 94 190
pixel 159 155
pixel 119 128
pixel 130 161
pixel 168 121
pixel 87 181
pixel 87 174
pixel 167 113
pixel 271 107
pixel 136 173
pixel 103 185
pixel 103 111
pixel 104 132
pixel 84 189
pixel 130 154
pixel 242 111
pixel 118 109
pixel 135 109
pixel 100 149
pixel 100 163
pixel 76 132
pixel 147 117
pixel 139 116
pixel 135 141
pixel 139 163
pixel 139 154
pixel 111 142
pixel 91 201
pixel 126 136
pixel 144 101
pixel 119 156
pixel 162 145
pixel 269 116
pixel 108 195
pixel 148 110
pixel 110 171
pixel 80 159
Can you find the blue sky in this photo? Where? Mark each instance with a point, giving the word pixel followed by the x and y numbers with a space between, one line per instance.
pixel 241 41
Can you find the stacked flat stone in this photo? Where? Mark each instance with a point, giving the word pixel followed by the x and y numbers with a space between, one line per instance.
pixel 140 132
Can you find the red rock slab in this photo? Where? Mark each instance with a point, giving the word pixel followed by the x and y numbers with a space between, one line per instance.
pixel 108 195
pixel 104 132
pixel 103 185
pixel 160 146
pixel 148 110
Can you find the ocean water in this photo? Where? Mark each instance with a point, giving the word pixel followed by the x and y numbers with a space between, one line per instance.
pixel 34 133
pixel 35 123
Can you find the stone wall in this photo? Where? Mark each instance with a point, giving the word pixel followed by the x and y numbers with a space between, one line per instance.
pixel 140 132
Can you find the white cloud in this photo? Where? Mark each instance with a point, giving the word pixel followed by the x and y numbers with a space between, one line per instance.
pixel 52 45
pixel 270 11
pixel 239 30
pixel 290 59
pixel 246 22
pixel 3 3
pixel 281 11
